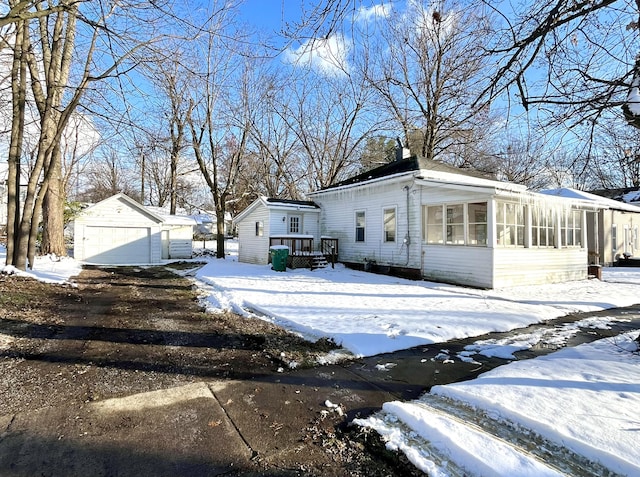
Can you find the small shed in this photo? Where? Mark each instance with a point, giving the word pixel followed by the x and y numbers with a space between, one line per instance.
pixel 269 221
pixel 121 231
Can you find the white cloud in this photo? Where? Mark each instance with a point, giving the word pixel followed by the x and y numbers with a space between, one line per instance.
pixel 326 55
pixel 366 14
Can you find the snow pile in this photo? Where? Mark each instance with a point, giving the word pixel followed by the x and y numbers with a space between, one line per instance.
pixel 48 268
pixel 584 399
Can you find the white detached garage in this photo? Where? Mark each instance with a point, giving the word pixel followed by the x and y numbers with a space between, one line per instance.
pixel 121 231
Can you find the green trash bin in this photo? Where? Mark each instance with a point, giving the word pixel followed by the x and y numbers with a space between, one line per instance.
pixel 279 254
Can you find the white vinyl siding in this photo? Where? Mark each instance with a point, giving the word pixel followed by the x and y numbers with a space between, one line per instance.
pixel 456 233
pixel 253 241
pixel 263 220
pixel 338 221
pixel 538 266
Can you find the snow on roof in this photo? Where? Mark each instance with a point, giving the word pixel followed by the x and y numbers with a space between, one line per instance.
pixel 176 219
pixel 631 196
pixel 278 204
pixel 600 201
pixel 426 170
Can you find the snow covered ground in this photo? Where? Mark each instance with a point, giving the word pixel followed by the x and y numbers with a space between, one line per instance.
pixel 370 314
pixel 582 400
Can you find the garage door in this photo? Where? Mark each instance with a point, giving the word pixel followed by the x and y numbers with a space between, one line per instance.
pixel 117 245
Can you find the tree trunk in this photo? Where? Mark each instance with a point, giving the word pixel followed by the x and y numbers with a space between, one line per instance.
pixel 53 212
pixel 18 91
pixel 220 232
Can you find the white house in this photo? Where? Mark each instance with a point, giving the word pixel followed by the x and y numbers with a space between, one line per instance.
pixel 207 225
pixel 267 222
pixel 629 195
pixel 121 231
pixel 615 232
pixel 422 218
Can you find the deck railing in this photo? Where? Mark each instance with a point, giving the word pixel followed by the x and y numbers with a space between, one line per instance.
pixel 298 245
pixel 329 248
pixel 303 245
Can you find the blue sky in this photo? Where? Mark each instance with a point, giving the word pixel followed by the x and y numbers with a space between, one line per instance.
pixel 268 14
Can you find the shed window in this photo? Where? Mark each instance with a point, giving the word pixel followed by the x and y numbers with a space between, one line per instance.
pixel 571 229
pixel 294 224
pixel 510 224
pixel 389 219
pixel 259 229
pixel 360 225
pixel 614 238
pixel 477 223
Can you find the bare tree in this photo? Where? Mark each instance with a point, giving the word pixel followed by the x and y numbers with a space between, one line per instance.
pixel 575 59
pixel 107 175
pixel 49 60
pixel 324 113
pixel 219 113
pixel 170 77
pixel 616 157
pixel 273 167
pixel 426 65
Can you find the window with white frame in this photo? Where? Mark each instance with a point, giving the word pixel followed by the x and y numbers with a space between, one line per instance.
pixel 259 229
pixel 477 223
pixel 510 224
pixel 389 224
pixel 360 225
pixel 571 229
pixel 454 224
pixel 294 224
pixel 434 225
pixel 614 238
pixel 542 227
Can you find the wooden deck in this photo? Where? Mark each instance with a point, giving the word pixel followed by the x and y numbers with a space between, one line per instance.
pixel 303 251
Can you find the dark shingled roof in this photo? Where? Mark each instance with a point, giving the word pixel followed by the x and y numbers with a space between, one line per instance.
pixel 619 194
pixel 412 163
